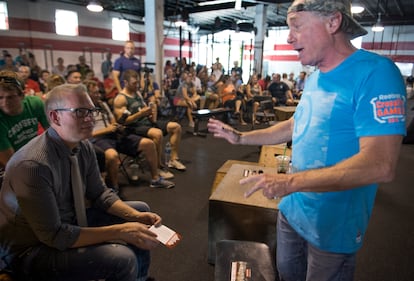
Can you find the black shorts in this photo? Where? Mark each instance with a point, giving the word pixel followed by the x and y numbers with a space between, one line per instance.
pixel 126 144
pixel 142 130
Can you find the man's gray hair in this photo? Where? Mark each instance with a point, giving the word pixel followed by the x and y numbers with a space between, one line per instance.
pixel 56 98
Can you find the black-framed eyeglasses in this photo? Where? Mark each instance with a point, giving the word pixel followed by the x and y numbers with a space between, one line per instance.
pixel 82 112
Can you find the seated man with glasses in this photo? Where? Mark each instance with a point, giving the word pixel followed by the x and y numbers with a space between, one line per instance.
pixel 19 116
pixel 47 232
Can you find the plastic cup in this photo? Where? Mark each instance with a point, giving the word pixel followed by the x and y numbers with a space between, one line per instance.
pixel 282 162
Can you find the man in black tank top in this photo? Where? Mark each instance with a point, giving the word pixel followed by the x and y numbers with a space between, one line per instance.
pixel 142 121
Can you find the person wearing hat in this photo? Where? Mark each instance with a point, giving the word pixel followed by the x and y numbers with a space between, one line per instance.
pixel 346 136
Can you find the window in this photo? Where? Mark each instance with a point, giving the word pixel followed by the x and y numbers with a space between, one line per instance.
pixel 66 22
pixel 406 68
pixel 357 42
pixel 120 29
pixel 4 19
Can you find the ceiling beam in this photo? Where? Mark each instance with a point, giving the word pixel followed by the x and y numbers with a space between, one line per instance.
pixel 398 5
pixel 387 21
pixel 224 6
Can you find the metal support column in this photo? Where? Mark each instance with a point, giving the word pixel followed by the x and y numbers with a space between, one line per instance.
pixel 154 33
pixel 260 24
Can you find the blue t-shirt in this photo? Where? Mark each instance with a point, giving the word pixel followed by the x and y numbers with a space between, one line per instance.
pixel 123 63
pixel 363 96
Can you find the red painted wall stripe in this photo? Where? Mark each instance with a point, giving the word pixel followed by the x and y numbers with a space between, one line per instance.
pixel 399 46
pixel 63 45
pixel 283 47
pixel 176 53
pixel 401 58
pixel 31 25
pixel 281 57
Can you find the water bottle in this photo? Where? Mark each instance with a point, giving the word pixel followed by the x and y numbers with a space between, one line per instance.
pixel 134 171
pixel 167 153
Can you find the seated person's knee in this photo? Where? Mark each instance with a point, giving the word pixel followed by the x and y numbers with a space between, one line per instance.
pixel 155 133
pixel 111 155
pixel 173 127
pixel 146 145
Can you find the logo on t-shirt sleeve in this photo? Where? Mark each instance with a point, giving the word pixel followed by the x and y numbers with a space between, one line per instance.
pixel 389 108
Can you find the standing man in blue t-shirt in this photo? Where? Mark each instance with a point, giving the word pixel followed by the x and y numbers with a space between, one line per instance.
pixel 127 60
pixel 346 136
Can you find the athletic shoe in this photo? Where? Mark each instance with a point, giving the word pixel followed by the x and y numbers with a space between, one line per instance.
pixel 176 164
pixel 162 183
pixel 164 173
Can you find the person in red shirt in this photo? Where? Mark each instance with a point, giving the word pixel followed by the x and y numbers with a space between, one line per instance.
pixel 263 82
pixel 31 88
pixel 110 89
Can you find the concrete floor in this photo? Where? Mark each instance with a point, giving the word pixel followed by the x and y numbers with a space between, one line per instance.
pixel 388 248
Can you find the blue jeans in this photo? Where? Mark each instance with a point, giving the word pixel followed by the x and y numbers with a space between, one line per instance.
pixel 297 260
pixel 109 261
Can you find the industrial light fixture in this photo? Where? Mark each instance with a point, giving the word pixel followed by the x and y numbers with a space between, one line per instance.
pixel 378 26
pixel 94 6
pixel 238 4
pixel 180 23
pixel 215 2
pixel 357 8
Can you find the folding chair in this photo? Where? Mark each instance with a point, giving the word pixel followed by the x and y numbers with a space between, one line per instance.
pixel 266 112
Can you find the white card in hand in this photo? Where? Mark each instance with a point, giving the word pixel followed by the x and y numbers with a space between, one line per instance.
pixel 166 235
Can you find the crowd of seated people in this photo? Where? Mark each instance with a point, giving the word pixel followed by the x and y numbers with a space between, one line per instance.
pixel 24 86
pixel 112 138
pixel 142 121
pixel 185 87
pixel 147 140
pixel 46 227
pixel 24 91
pixel 206 90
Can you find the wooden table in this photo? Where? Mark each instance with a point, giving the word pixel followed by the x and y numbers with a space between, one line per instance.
pixel 284 112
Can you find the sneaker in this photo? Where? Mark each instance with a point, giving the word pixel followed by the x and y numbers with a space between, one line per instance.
pixel 176 164
pixel 164 173
pixel 161 183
